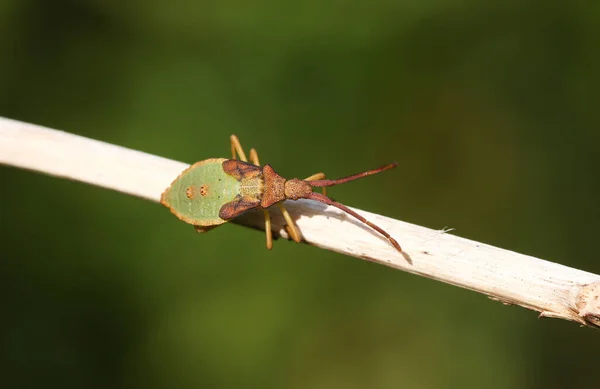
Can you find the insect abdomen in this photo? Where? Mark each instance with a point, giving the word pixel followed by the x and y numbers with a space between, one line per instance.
pixel 197 195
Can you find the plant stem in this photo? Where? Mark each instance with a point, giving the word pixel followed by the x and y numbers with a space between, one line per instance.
pixel 512 278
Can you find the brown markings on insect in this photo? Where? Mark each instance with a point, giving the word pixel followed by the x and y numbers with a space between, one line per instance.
pixel 203 190
pixel 189 192
pixel 238 206
pixel 241 170
pixel 251 188
pixel 268 188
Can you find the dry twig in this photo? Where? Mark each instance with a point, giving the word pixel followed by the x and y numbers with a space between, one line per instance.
pixel 552 289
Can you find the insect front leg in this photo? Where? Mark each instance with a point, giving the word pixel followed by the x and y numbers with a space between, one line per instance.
pixel 316 176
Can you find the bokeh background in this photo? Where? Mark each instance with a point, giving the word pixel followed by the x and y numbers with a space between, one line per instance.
pixel 490 107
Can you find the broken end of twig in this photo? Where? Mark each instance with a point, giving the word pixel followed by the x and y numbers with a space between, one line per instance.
pixel 582 307
pixel 588 304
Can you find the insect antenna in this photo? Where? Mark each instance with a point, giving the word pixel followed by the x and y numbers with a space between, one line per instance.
pixel 323 183
pixel 326 200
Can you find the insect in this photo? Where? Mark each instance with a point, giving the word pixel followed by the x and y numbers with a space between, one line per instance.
pixel 217 190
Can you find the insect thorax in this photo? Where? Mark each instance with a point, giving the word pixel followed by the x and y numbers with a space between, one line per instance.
pixel 252 187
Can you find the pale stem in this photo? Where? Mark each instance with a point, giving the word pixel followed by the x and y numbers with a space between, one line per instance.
pixel 552 289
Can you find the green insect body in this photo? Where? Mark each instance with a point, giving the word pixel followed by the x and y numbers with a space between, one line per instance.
pixel 197 195
pixel 214 191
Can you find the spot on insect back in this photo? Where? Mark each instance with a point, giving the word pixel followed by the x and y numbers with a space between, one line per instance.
pixel 193 191
pixel 204 190
pixel 189 192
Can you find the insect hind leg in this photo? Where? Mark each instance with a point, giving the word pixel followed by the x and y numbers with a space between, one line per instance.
pixel 201 229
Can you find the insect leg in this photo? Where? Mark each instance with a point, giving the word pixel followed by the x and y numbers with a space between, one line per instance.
pixel 236 146
pixel 201 229
pixel 291 226
pixel 268 232
pixel 317 176
pixel 254 157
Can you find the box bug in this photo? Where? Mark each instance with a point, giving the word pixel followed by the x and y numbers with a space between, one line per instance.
pixel 217 190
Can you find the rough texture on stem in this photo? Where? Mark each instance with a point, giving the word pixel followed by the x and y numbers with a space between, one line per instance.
pixel 512 278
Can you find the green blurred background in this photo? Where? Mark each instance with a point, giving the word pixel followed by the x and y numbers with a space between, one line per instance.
pixel 490 107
